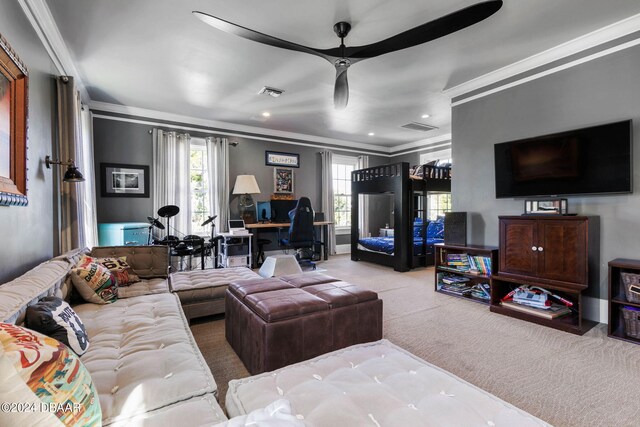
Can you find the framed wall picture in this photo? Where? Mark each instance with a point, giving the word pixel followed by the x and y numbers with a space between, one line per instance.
pixel 13 127
pixel 275 158
pixel 120 180
pixel 283 180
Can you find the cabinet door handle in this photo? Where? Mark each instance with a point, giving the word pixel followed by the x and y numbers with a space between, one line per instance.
pixel 533 248
pixel 540 249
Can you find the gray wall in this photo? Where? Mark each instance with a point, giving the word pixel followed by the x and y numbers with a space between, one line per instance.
pixel 128 143
pixel 597 92
pixel 27 232
pixel 125 142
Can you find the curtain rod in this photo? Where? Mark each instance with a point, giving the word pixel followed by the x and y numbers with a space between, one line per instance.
pixel 197 134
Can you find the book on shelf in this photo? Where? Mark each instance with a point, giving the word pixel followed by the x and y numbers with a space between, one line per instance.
pixel 454 279
pixel 553 312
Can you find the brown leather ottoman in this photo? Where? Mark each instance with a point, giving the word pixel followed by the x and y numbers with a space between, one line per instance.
pixel 276 322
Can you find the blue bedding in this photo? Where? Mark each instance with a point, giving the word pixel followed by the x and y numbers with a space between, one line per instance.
pixel 435 234
pixel 385 244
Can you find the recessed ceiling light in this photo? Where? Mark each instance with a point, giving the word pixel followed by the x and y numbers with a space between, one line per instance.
pixel 425 116
pixel 266 114
pixel 371 134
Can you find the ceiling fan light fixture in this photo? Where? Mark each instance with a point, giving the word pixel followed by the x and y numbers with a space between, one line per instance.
pixel 271 91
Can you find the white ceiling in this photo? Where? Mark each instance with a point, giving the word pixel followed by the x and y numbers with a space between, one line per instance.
pixel 154 54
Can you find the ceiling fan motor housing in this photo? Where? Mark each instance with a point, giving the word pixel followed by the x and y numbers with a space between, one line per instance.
pixel 342 29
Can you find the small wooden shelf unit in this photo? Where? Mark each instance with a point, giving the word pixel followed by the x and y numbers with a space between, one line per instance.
pixel 441 268
pixel 618 299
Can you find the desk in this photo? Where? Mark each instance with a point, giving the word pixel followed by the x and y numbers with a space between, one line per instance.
pixel 275 225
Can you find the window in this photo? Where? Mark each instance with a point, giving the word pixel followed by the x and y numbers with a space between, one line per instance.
pixel 438 204
pixel 199 186
pixel 342 168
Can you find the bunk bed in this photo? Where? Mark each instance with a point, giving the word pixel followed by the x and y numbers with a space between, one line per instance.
pixel 410 246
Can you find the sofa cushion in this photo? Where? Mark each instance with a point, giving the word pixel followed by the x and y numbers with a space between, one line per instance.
pixel 46 380
pixel 276 414
pixel 201 411
pixel 94 282
pixel 203 285
pixel 158 285
pixel 142 355
pixel 119 268
pixel 55 318
pixel 146 261
pixel 43 280
pixel 374 384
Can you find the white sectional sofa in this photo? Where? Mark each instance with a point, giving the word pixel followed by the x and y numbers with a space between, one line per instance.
pixel 142 357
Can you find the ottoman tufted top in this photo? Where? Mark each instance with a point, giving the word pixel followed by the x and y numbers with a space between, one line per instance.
pixel 306 279
pixel 247 287
pixel 283 304
pixel 341 294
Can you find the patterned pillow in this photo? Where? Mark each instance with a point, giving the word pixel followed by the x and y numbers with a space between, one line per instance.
pixel 119 268
pixel 94 282
pixel 55 318
pixel 43 383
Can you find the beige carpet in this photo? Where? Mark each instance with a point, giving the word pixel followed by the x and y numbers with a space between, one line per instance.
pixel 564 379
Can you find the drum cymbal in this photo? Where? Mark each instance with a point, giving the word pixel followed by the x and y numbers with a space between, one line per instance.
pixel 155 223
pixel 168 211
pixel 211 218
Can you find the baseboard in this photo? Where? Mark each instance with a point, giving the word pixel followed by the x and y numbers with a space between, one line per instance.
pixel 343 249
pixel 595 309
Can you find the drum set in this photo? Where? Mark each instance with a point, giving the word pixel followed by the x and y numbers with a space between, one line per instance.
pixel 187 246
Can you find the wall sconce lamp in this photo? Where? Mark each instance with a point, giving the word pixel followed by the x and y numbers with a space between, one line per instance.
pixel 71 175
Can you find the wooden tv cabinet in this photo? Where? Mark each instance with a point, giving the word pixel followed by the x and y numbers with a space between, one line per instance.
pixel 554 252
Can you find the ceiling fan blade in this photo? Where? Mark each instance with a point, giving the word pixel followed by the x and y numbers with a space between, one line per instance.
pixel 432 30
pixel 246 33
pixel 341 89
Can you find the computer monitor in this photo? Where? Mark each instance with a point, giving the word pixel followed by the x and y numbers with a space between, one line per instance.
pixel 280 210
pixel 236 224
pixel 263 211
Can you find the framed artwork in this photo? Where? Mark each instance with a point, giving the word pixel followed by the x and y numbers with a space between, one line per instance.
pixel 13 127
pixel 275 158
pixel 119 180
pixel 283 180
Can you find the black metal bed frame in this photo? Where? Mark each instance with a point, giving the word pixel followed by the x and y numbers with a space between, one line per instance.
pixel 395 179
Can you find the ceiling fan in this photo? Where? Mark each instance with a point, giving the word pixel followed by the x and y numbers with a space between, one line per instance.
pixel 343 57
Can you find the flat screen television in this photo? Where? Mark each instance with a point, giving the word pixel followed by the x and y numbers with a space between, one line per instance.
pixel 591 160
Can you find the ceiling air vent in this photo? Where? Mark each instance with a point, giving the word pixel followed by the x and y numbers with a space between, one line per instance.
pixel 420 127
pixel 271 91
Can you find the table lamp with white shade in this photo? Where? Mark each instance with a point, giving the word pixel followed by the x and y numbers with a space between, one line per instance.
pixel 246 185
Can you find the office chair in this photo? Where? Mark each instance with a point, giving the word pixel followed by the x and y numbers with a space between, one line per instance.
pixel 301 232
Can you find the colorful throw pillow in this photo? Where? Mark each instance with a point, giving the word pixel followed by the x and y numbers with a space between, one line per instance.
pixel 119 268
pixel 42 383
pixel 94 282
pixel 55 318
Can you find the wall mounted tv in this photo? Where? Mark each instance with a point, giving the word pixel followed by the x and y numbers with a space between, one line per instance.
pixel 583 161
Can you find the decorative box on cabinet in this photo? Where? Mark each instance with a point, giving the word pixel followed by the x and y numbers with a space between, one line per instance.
pixel 123 233
pixel 557 253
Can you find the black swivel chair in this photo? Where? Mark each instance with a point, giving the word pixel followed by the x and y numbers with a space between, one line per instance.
pixel 301 232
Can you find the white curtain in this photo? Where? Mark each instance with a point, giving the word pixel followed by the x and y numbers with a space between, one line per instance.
pixel 171 178
pixel 327 198
pixel 88 198
pixel 363 212
pixel 218 170
pixel 76 212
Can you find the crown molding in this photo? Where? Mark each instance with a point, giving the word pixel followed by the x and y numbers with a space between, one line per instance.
pixel 423 144
pixel 598 37
pixel 39 15
pixel 231 129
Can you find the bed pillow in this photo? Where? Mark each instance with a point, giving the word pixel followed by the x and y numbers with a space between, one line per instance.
pixel 435 229
pixel 119 268
pixel 94 282
pixel 55 318
pixel 43 383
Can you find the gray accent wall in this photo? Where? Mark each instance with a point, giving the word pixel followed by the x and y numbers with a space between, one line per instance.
pixel 117 141
pixel 597 92
pixel 27 232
